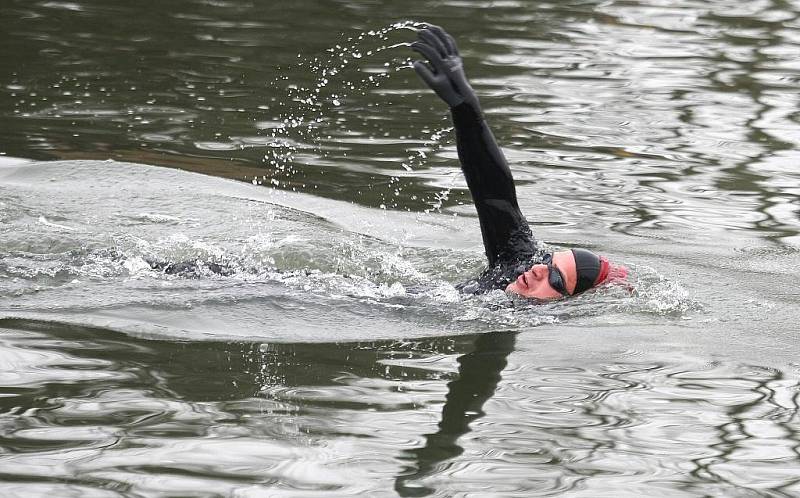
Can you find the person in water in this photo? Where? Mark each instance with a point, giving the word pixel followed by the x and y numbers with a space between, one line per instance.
pixel 515 264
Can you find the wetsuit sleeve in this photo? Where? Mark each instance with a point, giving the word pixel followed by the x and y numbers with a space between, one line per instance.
pixel 506 234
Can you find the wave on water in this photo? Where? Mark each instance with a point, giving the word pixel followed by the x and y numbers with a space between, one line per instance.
pixel 168 253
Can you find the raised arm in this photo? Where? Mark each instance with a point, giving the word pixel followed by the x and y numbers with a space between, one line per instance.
pixel 506 235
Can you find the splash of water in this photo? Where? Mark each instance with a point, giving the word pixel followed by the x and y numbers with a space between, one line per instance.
pixel 342 76
pixel 332 85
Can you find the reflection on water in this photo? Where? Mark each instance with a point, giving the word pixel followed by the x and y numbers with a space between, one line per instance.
pixel 443 415
pixel 478 375
pixel 662 134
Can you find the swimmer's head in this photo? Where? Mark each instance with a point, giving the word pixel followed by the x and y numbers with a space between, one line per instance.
pixel 566 273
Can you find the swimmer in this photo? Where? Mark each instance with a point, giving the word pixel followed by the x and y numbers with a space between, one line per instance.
pixel 515 265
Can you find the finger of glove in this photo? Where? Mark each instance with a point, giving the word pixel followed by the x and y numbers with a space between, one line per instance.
pixel 429 53
pixel 446 39
pixel 431 39
pixel 425 72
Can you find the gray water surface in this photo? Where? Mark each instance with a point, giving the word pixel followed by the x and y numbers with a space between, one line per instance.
pixel 334 356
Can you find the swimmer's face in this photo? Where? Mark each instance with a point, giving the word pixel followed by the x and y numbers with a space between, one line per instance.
pixel 535 283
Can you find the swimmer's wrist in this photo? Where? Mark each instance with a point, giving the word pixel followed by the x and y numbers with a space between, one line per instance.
pixel 467 111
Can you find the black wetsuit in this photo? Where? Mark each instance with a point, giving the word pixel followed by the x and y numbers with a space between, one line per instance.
pixel 507 238
pixel 190 269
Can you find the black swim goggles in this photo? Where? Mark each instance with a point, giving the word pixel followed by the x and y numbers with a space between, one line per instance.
pixel 555 277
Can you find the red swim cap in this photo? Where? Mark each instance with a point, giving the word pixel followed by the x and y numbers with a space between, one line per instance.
pixel 609 272
pixel 604 269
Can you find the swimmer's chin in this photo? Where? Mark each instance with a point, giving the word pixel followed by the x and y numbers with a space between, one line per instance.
pixel 517 290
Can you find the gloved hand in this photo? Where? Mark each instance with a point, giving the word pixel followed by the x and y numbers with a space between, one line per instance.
pixel 445 74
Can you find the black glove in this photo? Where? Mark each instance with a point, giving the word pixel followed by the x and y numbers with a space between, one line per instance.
pixel 445 74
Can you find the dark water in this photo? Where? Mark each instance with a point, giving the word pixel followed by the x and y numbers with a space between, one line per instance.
pixel 336 358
